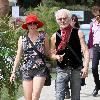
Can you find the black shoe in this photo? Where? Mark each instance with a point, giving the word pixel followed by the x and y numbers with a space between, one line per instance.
pixel 83 82
pixel 95 92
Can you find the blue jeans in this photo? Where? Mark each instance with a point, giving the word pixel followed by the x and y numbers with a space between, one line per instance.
pixel 66 75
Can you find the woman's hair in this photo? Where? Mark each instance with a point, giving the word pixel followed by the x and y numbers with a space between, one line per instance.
pixel 75 18
pixel 98 18
pixel 95 9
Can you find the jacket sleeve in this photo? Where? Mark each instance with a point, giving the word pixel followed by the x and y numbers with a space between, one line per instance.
pixel 90 41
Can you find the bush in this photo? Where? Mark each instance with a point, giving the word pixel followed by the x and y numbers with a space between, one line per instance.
pixel 8 43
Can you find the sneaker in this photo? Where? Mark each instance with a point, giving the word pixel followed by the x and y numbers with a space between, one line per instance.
pixel 95 92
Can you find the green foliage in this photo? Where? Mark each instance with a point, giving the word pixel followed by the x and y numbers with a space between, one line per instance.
pixel 78 7
pixel 52 3
pixel 71 5
pixel 8 43
pixel 90 2
pixel 71 2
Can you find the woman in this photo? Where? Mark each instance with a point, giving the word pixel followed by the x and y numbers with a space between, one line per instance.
pixel 75 24
pixel 95 11
pixel 33 70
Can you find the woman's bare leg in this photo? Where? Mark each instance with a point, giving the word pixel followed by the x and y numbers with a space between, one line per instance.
pixel 28 88
pixel 38 83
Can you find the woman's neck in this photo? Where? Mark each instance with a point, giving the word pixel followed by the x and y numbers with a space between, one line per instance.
pixel 33 33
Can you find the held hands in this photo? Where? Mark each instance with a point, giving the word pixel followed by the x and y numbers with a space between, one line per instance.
pixel 84 72
pixel 60 57
pixel 56 56
pixel 12 77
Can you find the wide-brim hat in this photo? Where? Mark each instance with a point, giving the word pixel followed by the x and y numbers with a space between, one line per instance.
pixel 34 19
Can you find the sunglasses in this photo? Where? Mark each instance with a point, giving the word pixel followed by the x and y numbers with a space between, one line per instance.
pixel 65 18
pixel 30 24
pixel 74 20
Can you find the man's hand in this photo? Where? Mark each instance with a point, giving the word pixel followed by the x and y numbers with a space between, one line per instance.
pixel 84 72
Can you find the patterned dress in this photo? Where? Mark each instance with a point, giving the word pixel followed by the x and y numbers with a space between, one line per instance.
pixel 33 64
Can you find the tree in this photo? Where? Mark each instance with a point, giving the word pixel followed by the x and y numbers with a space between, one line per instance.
pixel 8 45
pixel 4 7
pixel 28 3
pixel 97 2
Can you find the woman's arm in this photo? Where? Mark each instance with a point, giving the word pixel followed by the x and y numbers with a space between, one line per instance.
pixel 47 46
pixel 53 47
pixel 18 55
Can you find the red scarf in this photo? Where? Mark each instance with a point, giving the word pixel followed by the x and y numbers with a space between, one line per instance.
pixel 65 37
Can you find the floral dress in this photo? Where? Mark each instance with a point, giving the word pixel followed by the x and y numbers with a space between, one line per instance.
pixel 33 63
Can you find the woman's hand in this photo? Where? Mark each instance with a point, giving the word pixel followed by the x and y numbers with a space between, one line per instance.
pixel 12 77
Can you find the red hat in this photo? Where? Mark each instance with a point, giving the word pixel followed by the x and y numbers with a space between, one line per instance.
pixel 32 18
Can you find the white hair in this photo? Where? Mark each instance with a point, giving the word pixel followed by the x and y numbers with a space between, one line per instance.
pixel 63 11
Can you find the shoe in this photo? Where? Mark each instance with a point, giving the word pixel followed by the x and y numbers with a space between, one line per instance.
pixel 67 95
pixel 83 82
pixel 95 92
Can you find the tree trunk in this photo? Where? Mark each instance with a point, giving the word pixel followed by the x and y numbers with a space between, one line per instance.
pixel 4 8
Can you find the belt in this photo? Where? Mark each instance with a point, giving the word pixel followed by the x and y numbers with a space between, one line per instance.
pixel 96 45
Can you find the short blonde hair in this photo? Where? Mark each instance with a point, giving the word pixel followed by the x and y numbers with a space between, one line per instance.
pixel 61 11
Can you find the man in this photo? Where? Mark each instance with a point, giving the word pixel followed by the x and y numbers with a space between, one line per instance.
pixel 94 41
pixel 67 64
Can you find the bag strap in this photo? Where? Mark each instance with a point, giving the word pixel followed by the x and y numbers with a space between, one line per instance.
pixel 75 54
pixel 35 49
pixel 71 50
